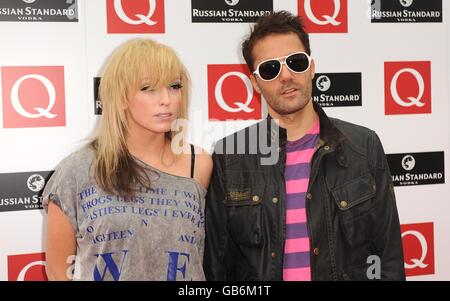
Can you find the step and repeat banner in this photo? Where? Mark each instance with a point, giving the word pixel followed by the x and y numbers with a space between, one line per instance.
pixel 383 64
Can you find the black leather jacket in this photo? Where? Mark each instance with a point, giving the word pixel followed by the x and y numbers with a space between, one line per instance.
pixel 351 209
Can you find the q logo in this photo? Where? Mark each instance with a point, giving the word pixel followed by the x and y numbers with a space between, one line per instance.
pixel 27 267
pixel 141 18
pixel 239 105
pixel 41 112
pixel 418 263
pixel 407 87
pixel 418 248
pixel 412 101
pixel 138 16
pixel 230 93
pixel 324 16
pixel 33 96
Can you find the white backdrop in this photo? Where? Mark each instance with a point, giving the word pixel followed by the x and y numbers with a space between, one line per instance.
pixel 81 47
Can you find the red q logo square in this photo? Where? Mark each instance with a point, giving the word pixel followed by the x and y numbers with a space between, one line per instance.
pixel 230 93
pixel 418 248
pixel 324 16
pixel 27 267
pixel 407 87
pixel 33 96
pixel 135 16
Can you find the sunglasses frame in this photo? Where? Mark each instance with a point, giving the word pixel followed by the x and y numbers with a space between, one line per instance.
pixel 256 72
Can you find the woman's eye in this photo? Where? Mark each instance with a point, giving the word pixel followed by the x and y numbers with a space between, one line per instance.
pixel 146 88
pixel 176 86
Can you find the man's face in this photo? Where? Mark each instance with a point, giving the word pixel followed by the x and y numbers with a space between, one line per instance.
pixel 290 92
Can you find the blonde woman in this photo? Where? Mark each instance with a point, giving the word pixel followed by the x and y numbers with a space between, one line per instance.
pixel 128 205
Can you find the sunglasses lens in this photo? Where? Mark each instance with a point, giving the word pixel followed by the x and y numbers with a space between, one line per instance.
pixel 298 62
pixel 269 70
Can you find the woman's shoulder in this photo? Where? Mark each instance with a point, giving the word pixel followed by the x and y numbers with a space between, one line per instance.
pixel 203 166
pixel 203 156
pixel 80 159
pixel 70 173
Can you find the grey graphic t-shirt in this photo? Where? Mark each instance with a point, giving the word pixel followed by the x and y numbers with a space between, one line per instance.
pixel 158 235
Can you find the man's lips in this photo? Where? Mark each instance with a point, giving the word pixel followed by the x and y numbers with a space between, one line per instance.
pixel 289 92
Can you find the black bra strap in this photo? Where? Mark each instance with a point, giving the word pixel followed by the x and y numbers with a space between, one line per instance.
pixel 192 160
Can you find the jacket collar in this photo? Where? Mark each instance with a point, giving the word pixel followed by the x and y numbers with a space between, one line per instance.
pixel 330 135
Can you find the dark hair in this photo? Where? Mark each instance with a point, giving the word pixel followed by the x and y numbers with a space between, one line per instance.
pixel 274 23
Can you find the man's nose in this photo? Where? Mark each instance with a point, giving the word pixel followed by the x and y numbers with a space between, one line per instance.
pixel 285 73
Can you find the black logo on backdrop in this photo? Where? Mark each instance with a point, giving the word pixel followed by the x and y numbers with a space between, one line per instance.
pixel 39 10
pixel 218 11
pixel 417 168
pixel 97 102
pixel 409 11
pixel 23 190
pixel 337 89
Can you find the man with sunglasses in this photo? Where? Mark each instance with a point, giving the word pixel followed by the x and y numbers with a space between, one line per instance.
pixel 325 208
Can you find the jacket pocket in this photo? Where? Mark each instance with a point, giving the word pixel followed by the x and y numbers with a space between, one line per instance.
pixel 244 210
pixel 354 203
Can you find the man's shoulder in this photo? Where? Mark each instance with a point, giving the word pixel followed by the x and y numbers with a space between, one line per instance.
pixel 243 136
pixel 352 129
pixel 357 136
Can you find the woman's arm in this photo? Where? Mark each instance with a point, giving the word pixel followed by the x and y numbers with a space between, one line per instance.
pixel 61 244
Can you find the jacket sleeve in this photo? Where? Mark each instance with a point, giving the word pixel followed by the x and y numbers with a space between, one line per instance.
pixel 216 224
pixel 387 234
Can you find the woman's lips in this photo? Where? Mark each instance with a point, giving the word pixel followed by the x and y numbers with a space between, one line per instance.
pixel 164 115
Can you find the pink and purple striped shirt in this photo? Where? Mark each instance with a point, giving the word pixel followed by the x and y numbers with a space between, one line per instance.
pixel 296 264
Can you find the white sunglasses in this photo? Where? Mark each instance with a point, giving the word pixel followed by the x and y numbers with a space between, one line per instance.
pixel 297 62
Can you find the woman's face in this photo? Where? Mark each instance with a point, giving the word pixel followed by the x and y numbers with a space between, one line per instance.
pixel 154 109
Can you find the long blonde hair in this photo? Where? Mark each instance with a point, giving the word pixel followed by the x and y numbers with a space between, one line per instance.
pixel 115 169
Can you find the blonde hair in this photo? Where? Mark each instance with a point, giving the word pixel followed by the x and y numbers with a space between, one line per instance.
pixel 115 169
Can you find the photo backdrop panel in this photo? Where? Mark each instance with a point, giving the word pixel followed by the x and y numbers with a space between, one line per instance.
pixel 389 72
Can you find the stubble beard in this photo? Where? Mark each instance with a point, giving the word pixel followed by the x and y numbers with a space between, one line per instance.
pixel 283 107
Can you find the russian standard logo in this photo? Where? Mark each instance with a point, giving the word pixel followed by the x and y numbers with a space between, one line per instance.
pixel 323 83
pixel 239 105
pixel 406 3
pixel 417 168
pixel 36 183
pixel 39 11
pixel 337 89
pixel 22 191
pixel 141 18
pixel 15 101
pixel 412 101
pixel 326 18
pixel 406 11
pixel 232 2
pixel 224 11
pixel 408 162
pixel 418 263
